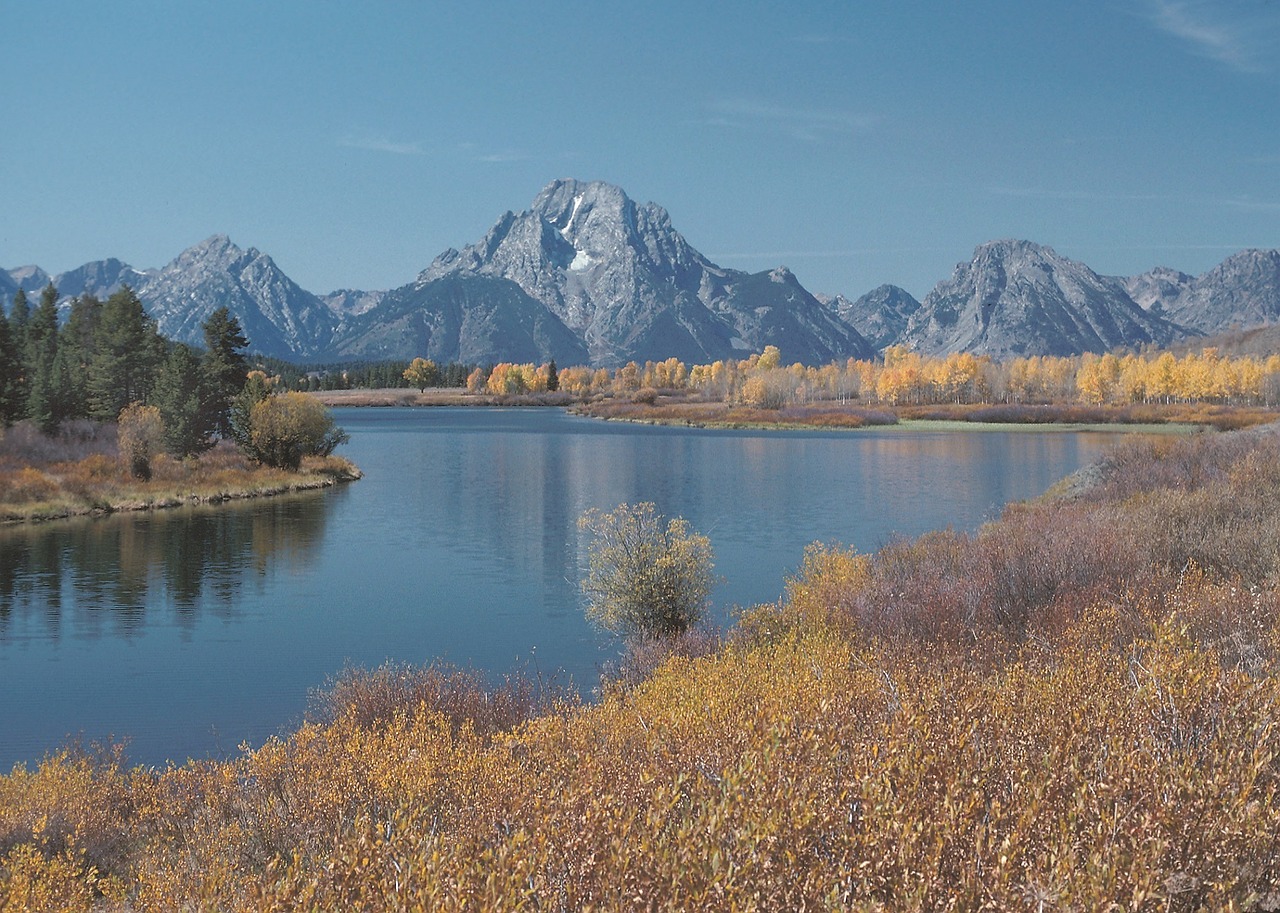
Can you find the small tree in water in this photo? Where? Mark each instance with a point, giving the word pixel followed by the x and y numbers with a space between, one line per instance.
pixel 645 578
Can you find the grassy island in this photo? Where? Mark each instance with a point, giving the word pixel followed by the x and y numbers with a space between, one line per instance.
pixel 1074 708
pixel 79 471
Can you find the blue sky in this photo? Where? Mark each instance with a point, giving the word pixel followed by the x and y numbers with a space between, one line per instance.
pixel 856 142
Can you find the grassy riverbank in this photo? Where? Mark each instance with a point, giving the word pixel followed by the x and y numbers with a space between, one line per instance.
pixel 691 410
pixel 1072 708
pixel 683 410
pixel 79 472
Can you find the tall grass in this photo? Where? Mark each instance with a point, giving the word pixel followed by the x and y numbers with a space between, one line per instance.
pixel 79 470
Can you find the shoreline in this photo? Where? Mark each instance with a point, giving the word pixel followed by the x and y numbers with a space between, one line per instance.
pixel 270 484
pixel 679 412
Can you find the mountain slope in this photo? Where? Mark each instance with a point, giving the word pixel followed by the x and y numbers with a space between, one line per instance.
pixel 462 318
pixel 101 279
pixel 1018 298
pixel 619 275
pixel 1242 291
pixel 881 315
pixel 278 317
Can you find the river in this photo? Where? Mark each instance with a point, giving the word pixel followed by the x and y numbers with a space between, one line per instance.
pixel 189 632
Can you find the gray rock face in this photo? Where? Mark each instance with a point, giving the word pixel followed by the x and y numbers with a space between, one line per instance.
pixel 1242 291
pixel 462 318
pixel 1017 298
pixel 31 279
pixel 345 302
pixel 277 316
pixel 621 277
pixel 101 279
pixel 1155 288
pixel 881 315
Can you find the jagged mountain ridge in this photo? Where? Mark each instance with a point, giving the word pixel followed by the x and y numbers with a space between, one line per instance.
pixel 276 314
pixel 881 315
pixel 1018 298
pixel 618 274
pixel 1241 292
pixel 588 275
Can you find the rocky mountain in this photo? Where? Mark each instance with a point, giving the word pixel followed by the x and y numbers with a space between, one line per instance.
pixel 347 302
pixel 462 318
pixel 627 283
pixel 278 317
pixel 1018 298
pixel 101 278
pixel 1242 291
pixel 32 279
pixel 1153 289
pixel 881 315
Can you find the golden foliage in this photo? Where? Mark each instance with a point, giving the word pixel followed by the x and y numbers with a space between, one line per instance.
pixel 1046 732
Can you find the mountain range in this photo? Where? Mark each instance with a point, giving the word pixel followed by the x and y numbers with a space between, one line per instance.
pixel 588 276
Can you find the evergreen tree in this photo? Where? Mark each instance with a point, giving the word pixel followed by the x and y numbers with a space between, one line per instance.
pixel 19 314
pixel 179 395
pixel 225 368
pixel 553 376
pixel 126 355
pixel 41 351
pixel 19 317
pixel 76 343
pixel 10 375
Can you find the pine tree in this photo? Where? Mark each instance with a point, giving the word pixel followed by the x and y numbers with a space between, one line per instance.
pixel 179 395
pixel 225 368
pixel 19 317
pixel 126 355
pixel 41 351
pixel 10 374
pixel 76 343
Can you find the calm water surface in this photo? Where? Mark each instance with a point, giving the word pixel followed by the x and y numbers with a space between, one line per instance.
pixel 189 632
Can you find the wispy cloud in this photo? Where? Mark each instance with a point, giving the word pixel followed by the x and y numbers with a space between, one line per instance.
pixel 1243 203
pixel 1041 193
pixel 499 157
pixel 818 39
pixel 1233 34
pixel 807 124
pixel 381 144
pixel 1248 204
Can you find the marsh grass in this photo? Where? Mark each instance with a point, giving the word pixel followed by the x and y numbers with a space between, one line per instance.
pixel 80 472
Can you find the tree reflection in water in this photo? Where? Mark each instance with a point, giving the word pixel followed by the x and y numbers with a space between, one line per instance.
pixel 104 575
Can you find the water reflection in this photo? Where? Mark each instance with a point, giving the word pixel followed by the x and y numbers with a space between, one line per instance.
pixel 106 575
pixel 191 631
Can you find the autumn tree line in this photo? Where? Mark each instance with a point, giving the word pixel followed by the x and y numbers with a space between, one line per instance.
pixel 903 377
pixel 108 362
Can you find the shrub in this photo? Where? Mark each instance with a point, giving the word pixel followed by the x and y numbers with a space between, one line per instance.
pixel 286 427
pixel 141 437
pixel 645 579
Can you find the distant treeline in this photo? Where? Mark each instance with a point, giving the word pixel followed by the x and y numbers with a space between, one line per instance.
pixel 355 375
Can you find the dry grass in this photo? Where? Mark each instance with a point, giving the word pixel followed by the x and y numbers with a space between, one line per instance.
pixel 682 411
pixel 81 473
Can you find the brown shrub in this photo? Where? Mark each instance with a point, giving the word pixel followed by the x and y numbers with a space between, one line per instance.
pixel 373 697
